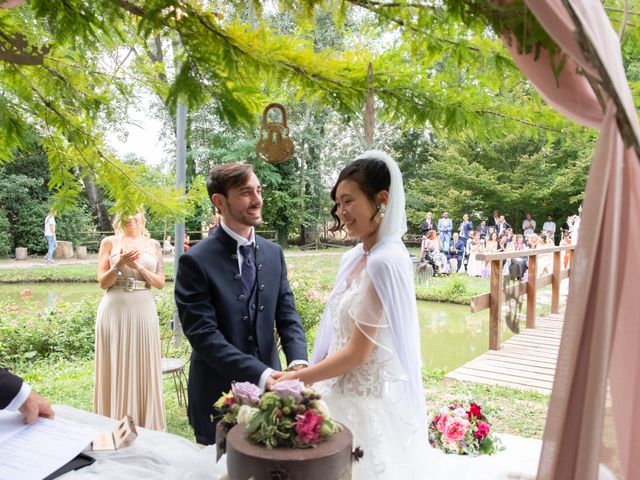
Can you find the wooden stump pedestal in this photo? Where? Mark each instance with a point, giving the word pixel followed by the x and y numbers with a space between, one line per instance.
pixel 63 250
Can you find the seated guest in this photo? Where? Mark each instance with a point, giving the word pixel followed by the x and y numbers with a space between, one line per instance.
pixel 474 266
pixel 509 235
pixel 166 245
pixel 186 246
pixel 456 253
pixel 15 394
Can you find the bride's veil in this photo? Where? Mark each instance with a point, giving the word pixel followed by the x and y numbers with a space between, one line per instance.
pixel 392 278
pixel 394 222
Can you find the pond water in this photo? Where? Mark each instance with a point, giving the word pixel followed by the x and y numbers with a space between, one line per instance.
pixel 451 335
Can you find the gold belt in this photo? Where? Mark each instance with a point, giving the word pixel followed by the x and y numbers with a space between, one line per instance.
pixel 131 284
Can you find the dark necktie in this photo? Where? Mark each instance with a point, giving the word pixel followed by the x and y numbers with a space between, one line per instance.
pixel 248 267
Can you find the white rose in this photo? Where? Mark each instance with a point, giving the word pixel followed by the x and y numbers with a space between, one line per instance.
pixel 245 414
pixel 323 408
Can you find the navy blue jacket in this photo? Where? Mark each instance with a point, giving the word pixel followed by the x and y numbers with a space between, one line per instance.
pixel 10 386
pixel 457 250
pixel 232 334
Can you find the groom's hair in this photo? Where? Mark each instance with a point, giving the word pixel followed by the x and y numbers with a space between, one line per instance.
pixel 372 176
pixel 227 176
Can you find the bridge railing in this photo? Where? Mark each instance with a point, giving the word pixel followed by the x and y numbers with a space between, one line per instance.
pixel 495 298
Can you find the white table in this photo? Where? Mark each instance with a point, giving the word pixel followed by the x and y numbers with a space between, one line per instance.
pixel 154 455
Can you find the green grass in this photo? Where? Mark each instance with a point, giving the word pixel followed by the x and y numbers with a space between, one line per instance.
pixel 71 383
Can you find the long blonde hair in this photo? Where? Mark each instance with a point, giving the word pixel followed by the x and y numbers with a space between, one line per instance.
pixel 120 218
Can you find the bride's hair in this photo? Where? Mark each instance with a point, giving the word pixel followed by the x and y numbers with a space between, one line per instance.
pixel 371 175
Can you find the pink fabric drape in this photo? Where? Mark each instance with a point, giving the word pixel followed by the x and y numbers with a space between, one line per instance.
pixel 601 337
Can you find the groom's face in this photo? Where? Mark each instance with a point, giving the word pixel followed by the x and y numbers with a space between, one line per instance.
pixel 242 206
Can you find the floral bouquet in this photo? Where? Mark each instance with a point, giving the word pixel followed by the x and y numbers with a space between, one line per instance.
pixel 289 415
pixel 463 429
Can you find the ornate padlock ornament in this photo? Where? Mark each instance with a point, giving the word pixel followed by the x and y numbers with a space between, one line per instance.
pixel 274 144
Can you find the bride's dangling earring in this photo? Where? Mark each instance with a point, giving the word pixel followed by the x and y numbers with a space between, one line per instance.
pixel 382 207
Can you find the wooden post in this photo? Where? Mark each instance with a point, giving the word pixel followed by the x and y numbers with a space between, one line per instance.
pixel 494 305
pixel 555 284
pixel 531 291
pixel 369 112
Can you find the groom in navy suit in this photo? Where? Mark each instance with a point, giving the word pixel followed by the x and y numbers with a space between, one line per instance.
pixel 232 293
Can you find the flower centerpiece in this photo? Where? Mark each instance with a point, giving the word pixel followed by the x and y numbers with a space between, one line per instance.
pixel 463 429
pixel 289 415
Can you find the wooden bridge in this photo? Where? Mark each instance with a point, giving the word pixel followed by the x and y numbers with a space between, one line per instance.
pixel 527 361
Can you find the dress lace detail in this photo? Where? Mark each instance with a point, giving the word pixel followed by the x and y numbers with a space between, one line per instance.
pixel 368 379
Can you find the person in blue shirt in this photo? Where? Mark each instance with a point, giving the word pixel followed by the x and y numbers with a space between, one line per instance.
pixel 445 225
pixel 456 252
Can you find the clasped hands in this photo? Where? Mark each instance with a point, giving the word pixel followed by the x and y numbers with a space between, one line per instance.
pixel 129 258
pixel 289 374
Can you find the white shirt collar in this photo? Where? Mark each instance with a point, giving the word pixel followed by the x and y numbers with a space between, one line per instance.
pixel 239 239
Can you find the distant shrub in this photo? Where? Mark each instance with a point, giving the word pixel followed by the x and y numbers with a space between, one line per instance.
pixel 456 287
pixel 5 234
pixel 66 331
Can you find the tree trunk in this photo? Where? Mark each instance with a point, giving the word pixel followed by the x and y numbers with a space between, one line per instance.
pixel 94 194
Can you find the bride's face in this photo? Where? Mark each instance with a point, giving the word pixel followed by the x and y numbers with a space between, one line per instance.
pixel 356 211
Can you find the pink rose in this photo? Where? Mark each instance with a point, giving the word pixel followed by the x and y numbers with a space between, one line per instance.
pixel 483 429
pixel 287 388
pixel 456 429
pixel 246 392
pixel 442 423
pixel 308 427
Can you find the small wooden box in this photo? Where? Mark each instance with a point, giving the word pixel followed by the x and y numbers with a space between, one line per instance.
pixel 121 437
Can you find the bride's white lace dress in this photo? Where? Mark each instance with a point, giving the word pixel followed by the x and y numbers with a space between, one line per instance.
pixel 382 424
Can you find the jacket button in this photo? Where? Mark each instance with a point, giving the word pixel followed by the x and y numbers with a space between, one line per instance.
pixel 234 256
pixel 236 276
pixel 257 247
pixel 261 308
pixel 253 306
pixel 245 318
pixel 250 338
pixel 240 297
pixel 260 267
pixel 261 287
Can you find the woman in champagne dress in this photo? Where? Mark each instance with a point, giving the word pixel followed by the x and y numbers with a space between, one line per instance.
pixel 128 376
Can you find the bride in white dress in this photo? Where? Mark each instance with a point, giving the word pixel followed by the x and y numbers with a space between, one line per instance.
pixel 366 361
pixel 367 350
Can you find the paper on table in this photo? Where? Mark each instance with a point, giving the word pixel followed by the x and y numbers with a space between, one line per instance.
pixel 34 452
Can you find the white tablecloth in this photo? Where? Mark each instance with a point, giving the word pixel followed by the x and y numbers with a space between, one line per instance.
pixel 157 455
pixel 154 455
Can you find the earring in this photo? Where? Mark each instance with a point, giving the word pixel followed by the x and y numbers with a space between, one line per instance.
pixel 382 207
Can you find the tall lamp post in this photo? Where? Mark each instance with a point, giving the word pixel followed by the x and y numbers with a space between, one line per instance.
pixel 181 169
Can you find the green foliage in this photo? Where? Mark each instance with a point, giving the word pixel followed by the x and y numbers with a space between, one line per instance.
pixel 30 332
pixel 65 331
pixel 454 288
pixel 515 175
pixel 5 234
